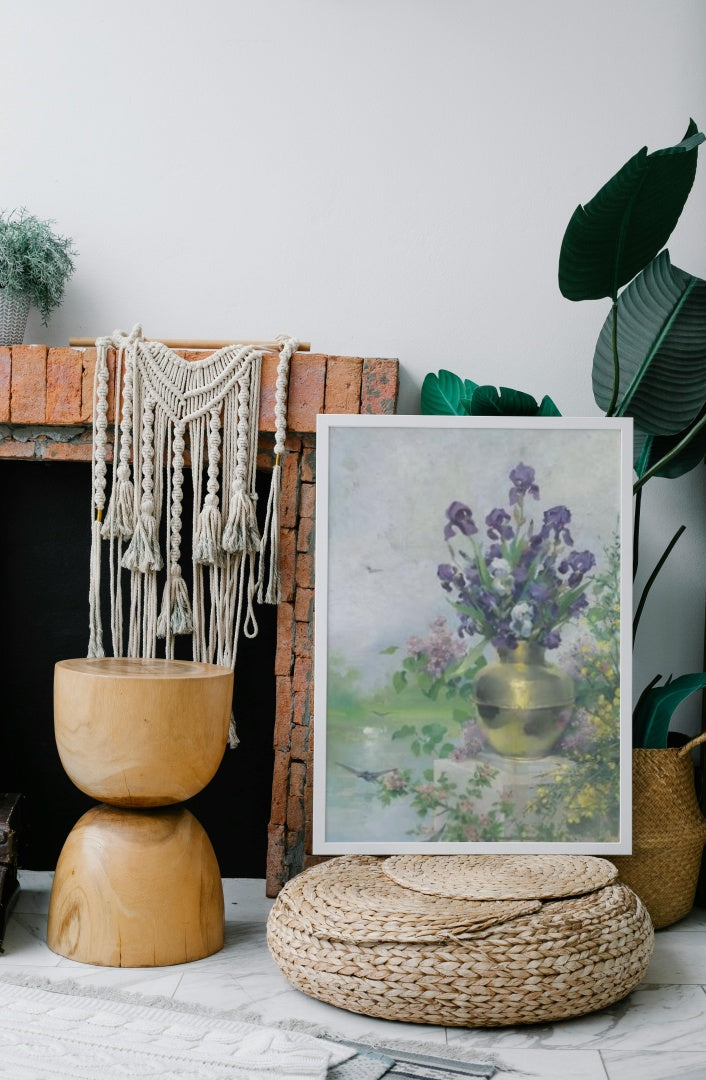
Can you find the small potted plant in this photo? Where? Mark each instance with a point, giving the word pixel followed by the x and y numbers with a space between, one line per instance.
pixel 35 264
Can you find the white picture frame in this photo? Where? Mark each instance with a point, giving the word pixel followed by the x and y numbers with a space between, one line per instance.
pixel 440 541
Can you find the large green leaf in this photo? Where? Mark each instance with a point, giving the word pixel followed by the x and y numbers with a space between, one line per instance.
pixel 649 450
pixel 610 239
pixel 656 706
pixel 661 350
pixel 446 394
pixel 502 401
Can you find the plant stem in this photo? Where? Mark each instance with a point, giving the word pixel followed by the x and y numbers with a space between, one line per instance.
pixel 691 433
pixel 616 365
pixel 651 580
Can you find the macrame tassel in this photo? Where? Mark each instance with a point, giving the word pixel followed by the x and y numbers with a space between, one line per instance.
pixel 273 593
pixel 143 552
pixel 241 532
pixel 175 614
pixel 95 640
pixel 208 548
pixel 120 517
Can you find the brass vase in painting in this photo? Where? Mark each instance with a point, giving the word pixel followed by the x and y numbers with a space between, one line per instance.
pixel 522 702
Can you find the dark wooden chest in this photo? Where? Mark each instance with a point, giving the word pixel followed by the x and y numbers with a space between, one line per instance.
pixel 10 832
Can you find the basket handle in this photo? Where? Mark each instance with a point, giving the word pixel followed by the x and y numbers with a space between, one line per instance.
pixel 691 745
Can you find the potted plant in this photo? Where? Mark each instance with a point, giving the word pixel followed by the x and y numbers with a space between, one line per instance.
pixel 35 264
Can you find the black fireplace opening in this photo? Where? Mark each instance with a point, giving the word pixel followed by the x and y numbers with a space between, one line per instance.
pixel 44 561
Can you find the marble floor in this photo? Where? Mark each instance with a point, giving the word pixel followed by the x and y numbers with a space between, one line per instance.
pixel 658 1033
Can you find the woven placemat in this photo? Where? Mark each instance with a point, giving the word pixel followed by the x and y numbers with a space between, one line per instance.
pixel 360 903
pixel 500 877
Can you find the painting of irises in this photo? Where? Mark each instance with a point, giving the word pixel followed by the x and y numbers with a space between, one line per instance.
pixel 472 657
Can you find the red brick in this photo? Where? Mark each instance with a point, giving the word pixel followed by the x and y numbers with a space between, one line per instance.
pixel 280 788
pixel 64 378
pixel 300 739
pixel 284 653
pixel 287 562
pixel 301 711
pixel 302 674
pixel 307 382
pixel 307 500
pixel 305 571
pixel 28 384
pixel 53 451
pixel 275 860
pixel 11 448
pixel 306 391
pixel 343 382
pixel 308 464
pixel 309 808
pixel 303 644
pixel 283 712
pixel 89 368
pixel 297 779
pixel 289 501
pixel 305 535
pixel 295 813
pixel 5 374
pixel 304 605
pixel 380 386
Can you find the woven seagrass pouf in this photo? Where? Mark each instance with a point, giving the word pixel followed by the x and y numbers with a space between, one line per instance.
pixel 376 936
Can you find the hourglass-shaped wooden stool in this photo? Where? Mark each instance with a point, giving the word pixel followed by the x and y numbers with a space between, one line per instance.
pixel 137 883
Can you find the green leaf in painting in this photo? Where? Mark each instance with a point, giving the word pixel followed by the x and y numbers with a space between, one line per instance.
pixel 444 394
pixel 654 711
pixel 615 235
pixel 404 732
pixel 399 681
pixel 661 350
pixel 389 650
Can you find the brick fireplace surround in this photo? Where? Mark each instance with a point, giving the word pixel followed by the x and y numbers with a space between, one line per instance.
pixel 45 415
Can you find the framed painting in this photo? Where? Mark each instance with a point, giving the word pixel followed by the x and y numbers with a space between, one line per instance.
pixel 473 646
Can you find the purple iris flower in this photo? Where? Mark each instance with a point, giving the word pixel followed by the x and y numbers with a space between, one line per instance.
pixel 446 574
pixel 499 527
pixel 551 640
pixel 504 639
pixel 522 477
pixel 539 591
pixel 556 520
pixel 579 562
pixel 493 552
pixel 579 604
pixel 459 517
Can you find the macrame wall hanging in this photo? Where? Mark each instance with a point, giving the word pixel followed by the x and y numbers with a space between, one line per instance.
pixel 214 403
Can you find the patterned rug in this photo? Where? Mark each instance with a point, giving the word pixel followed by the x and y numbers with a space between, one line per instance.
pixel 64 1031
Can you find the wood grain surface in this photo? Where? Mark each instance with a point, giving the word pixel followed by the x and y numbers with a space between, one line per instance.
pixel 141 732
pixel 136 888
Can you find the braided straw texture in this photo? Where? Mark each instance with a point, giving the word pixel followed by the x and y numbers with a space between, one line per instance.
pixel 362 904
pixel 568 958
pixel 501 877
pixel 668 834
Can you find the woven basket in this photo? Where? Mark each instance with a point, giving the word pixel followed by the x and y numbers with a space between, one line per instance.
pixel 565 958
pixel 13 318
pixel 668 833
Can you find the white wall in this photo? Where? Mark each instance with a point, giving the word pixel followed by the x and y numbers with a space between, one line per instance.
pixel 383 177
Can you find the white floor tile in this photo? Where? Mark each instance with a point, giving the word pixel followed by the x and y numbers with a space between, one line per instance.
pixel 677 1065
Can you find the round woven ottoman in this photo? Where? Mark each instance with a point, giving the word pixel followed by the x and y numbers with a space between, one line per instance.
pixel 466 941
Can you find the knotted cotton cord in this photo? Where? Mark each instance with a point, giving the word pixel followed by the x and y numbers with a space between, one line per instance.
pixel 160 399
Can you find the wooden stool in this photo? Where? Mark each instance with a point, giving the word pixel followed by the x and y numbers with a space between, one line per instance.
pixel 137 886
